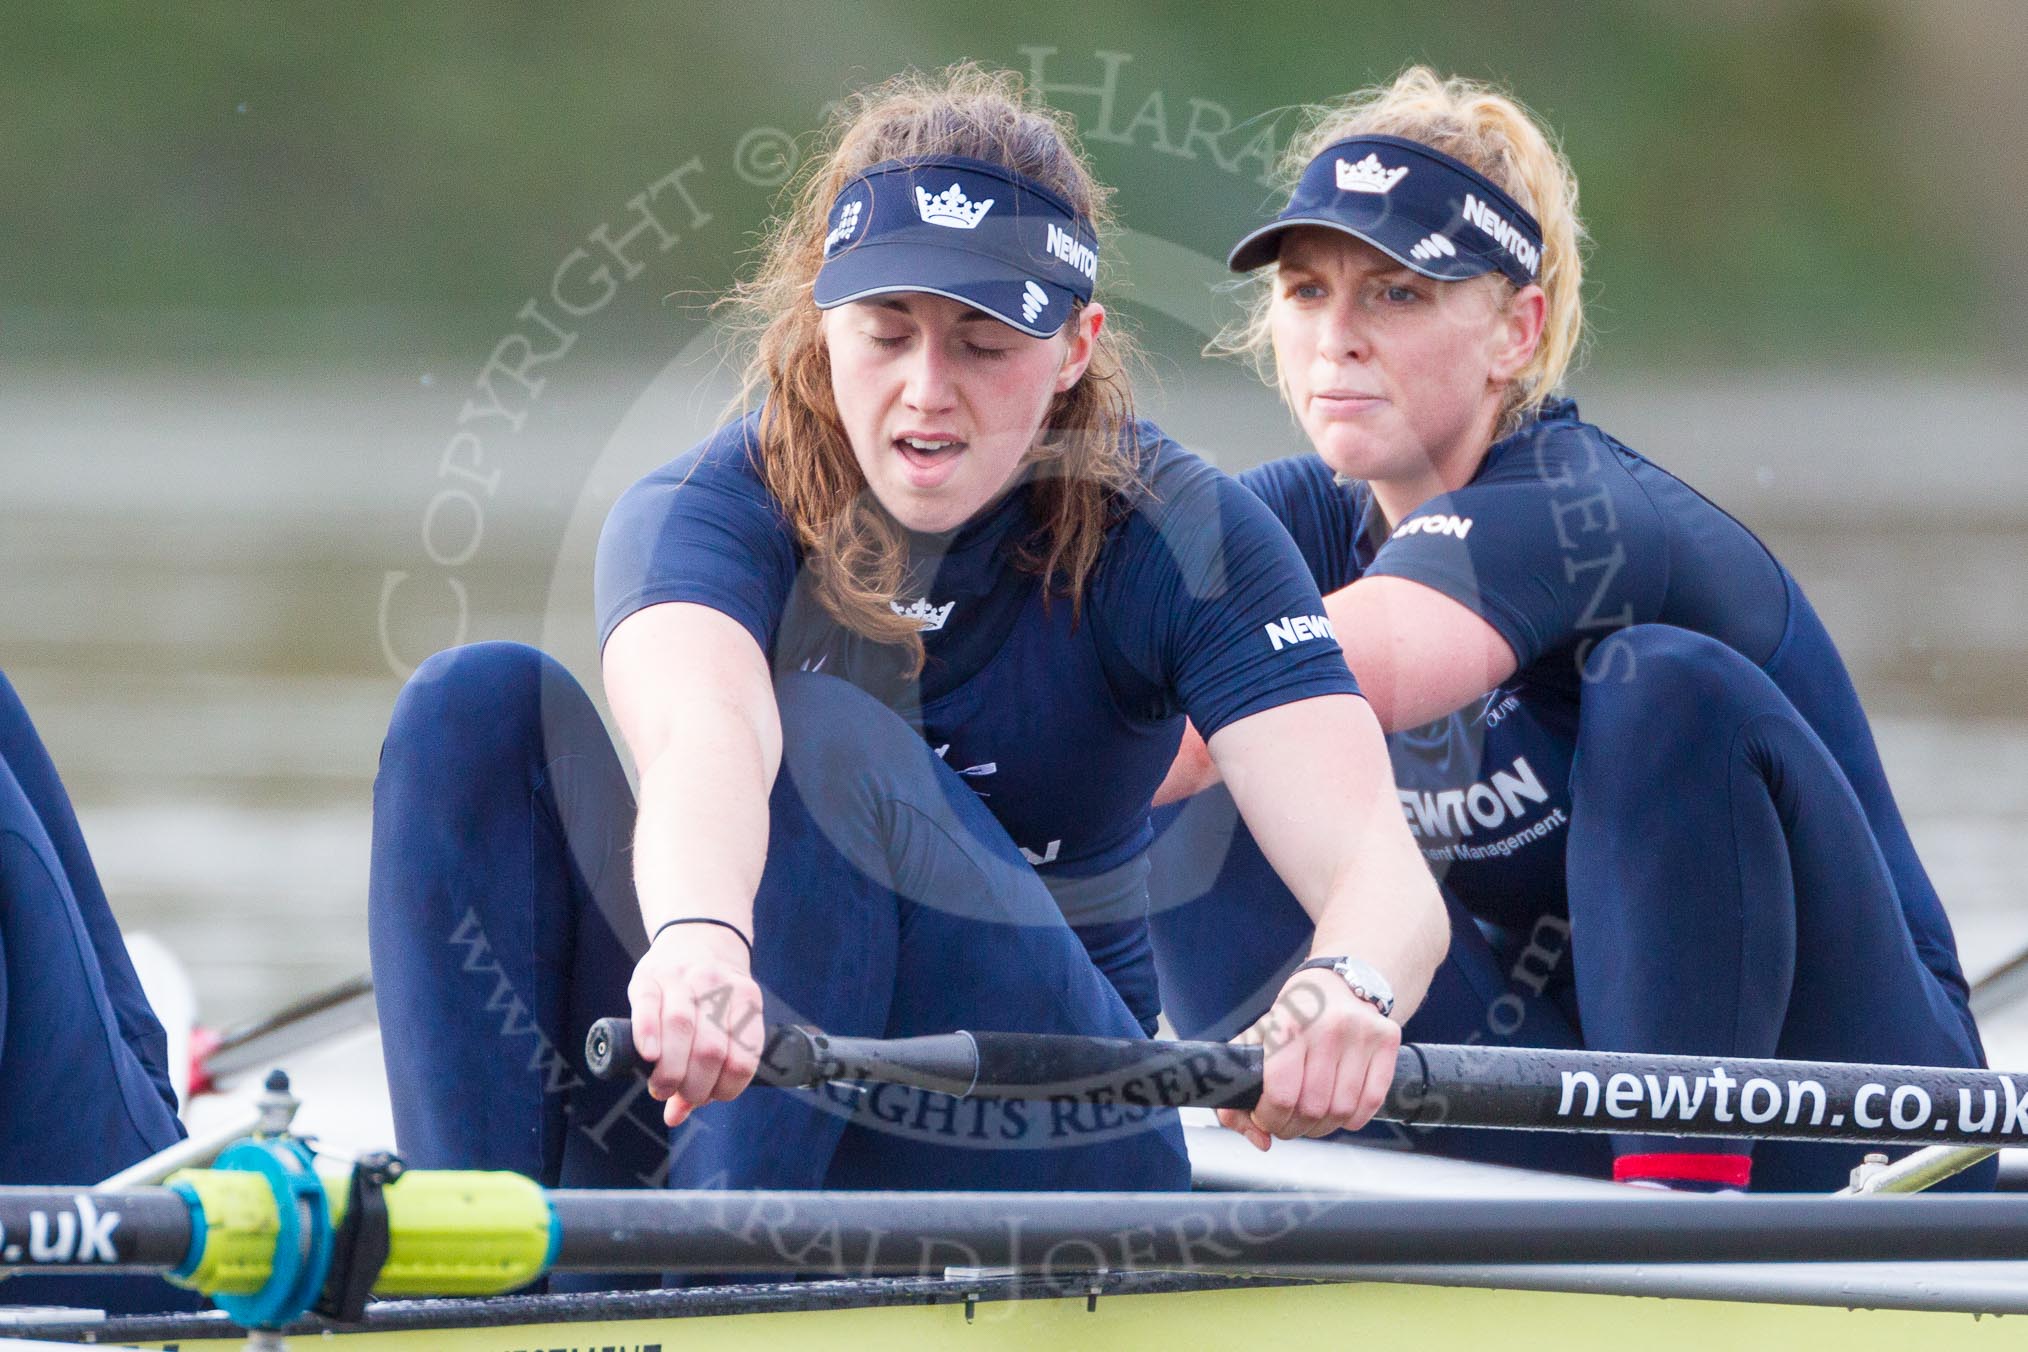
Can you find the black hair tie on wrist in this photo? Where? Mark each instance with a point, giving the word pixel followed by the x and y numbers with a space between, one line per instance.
pixel 703 920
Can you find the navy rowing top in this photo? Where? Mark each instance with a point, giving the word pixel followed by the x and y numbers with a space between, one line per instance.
pixel 1064 723
pixel 1563 538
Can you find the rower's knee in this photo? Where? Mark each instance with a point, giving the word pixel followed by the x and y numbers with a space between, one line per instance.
pixel 482 709
pixel 822 709
pixel 1655 678
pixel 836 736
pixel 1662 710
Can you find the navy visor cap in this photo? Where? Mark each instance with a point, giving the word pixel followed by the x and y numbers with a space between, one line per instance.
pixel 1430 213
pixel 962 228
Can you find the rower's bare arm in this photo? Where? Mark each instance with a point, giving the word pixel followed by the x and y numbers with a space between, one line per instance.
pixel 695 703
pixel 1312 782
pixel 1415 652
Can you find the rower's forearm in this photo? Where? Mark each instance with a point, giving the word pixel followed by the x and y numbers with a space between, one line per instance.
pixel 1383 908
pixel 701 834
pixel 1381 905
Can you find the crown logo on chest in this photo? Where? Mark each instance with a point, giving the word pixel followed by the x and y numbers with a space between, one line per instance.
pixel 927 617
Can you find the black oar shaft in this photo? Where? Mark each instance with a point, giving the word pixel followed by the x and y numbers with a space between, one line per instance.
pixel 868 1233
pixel 256 1046
pixel 1434 1084
pixel 71 1229
pixel 1639 1094
pixel 890 1233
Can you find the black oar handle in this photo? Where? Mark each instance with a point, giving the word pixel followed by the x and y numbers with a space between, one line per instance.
pixel 1131 1072
pixel 1435 1085
pixel 609 1049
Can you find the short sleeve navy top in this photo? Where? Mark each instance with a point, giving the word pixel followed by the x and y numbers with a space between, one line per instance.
pixel 1063 721
pixel 1562 538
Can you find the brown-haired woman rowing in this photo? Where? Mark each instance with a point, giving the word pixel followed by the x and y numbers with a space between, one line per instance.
pixel 901 656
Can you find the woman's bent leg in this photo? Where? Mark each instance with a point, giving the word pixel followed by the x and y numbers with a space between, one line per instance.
pixel 503 922
pixel 85 1090
pixel 894 904
pixel 1228 933
pixel 1727 897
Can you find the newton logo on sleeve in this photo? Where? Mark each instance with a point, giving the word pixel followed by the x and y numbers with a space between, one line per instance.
pixel 1437 523
pixel 1293 629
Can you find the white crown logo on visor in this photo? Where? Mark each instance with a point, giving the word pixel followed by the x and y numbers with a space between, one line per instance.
pixel 950 208
pixel 1034 300
pixel 1369 175
pixel 930 617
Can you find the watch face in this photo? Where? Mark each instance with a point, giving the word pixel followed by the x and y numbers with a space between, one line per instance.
pixel 1368 981
pixel 1366 977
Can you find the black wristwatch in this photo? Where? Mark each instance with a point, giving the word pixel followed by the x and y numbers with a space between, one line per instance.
pixel 1364 979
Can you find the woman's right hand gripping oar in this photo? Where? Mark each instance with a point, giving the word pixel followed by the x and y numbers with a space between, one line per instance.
pixel 696 1016
pixel 1328 1063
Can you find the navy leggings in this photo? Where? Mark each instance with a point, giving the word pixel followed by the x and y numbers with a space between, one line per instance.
pixel 84 1077
pixel 1725 898
pixel 503 922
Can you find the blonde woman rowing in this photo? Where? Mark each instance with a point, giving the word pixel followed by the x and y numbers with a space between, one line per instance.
pixel 1624 740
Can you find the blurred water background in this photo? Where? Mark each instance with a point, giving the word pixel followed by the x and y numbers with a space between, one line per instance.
pixel 266 278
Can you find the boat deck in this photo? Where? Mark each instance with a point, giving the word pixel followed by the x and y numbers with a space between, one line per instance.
pixel 1086 1311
